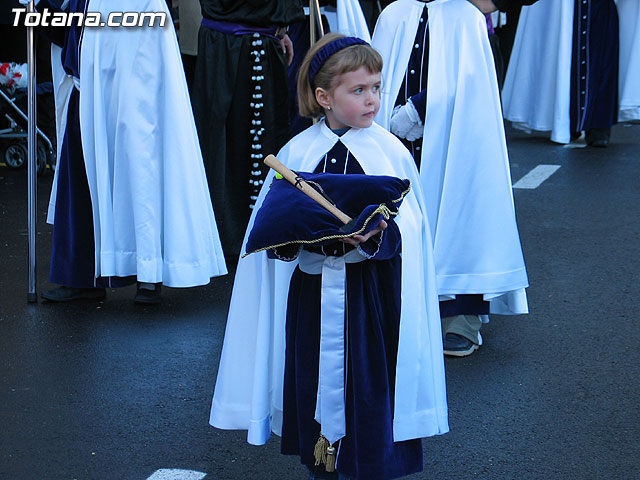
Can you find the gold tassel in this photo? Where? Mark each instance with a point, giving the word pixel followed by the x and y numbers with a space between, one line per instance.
pixel 331 459
pixel 320 450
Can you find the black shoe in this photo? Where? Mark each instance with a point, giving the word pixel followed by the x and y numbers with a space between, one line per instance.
pixel 458 346
pixel 598 137
pixel 148 296
pixel 69 294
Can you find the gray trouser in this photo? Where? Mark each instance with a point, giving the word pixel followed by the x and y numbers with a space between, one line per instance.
pixel 466 325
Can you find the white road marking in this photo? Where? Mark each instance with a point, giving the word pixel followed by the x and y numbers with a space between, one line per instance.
pixel 535 177
pixel 575 145
pixel 174 474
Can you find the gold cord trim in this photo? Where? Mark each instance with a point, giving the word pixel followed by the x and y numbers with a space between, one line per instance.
pixel 382 209
pixel 404 194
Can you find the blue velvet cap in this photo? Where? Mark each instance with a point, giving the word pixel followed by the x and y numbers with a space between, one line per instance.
pixel 288 216
pixel 329 49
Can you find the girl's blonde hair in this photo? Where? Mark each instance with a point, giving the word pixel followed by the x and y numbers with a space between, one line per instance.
pixel 346 60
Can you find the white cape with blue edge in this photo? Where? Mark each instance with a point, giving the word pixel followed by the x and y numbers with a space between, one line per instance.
pixel 249 387
pixel 151 206
pixel 464 171
pixel 537 87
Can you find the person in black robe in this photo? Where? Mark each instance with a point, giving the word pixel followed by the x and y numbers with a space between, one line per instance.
pixel 240 102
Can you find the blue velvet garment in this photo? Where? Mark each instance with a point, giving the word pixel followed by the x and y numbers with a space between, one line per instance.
pixel 473 304
pixel 594 69
pixel 69 38
pixel 73 253
pixel 73 250
pixel 415 78
pixel 419 101
pixel 371 332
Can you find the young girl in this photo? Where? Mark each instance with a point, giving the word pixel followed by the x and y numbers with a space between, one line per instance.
pixel 373 386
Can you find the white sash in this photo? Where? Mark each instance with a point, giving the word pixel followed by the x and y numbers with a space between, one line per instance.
pixel 330 400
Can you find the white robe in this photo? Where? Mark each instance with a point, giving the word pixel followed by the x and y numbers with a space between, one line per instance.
pixel 537 87
pixel 346 18
pixel 629 80
pixel 151 207
pixel 249 388
pixel 464 166
pixel 351 21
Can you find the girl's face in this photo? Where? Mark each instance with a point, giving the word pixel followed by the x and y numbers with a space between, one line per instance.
pixel 353 102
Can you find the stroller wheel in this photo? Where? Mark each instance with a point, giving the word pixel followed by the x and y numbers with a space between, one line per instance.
pixel 52 160
pixel 15 155
pixel 41 158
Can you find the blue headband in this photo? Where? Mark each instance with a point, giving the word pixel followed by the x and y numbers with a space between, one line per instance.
pixel 329 49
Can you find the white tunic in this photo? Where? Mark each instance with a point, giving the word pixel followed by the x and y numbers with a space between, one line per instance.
pixel 151 207
pixel 464 167
pixel 249 388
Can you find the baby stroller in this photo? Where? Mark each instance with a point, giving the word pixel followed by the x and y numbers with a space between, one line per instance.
pixel 13 130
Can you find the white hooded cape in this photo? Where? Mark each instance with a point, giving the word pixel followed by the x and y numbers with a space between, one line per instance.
pixel 151 207
pixel 249 388
pixel 537 87
pixel 629 90
pixel 464 167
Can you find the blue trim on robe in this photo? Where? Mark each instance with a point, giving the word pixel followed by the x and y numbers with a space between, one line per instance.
pixel 372 329
pixel 415 78
pixel 594 66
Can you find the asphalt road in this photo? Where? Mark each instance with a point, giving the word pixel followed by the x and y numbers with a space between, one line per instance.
pixel 111 390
